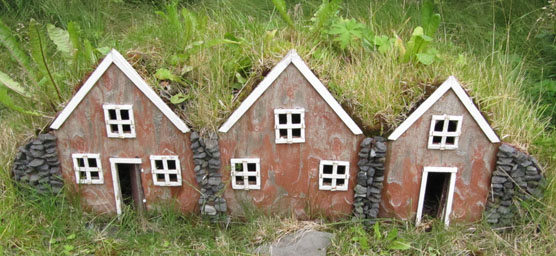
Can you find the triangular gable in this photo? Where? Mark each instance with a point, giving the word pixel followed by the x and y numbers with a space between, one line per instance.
pixel 114 57
pixel 291 58
pixel 451 83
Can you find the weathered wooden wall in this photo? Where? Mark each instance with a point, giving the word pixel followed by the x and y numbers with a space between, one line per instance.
pixel 475 159
pixel 85 132
pixel 289 172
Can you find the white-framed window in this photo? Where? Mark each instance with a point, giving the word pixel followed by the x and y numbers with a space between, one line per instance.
pixel 333 175
pixel 289 125
pixel 166 170
pixel 119 121
pixel 246 173
pixel 444 132
pixel 88 169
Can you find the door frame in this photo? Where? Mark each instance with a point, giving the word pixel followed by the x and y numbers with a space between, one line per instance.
pixel 116 178
pixel 451 188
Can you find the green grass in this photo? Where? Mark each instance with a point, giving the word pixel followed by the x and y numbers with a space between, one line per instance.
pixel 497 49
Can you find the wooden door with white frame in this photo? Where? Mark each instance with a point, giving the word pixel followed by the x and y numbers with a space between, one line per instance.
pixel 128 188
pixel 437 193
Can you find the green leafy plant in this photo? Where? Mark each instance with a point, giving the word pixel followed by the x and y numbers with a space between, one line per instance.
pixel 391 240
pixel 280 5
pixel 348 33
pixel 325 14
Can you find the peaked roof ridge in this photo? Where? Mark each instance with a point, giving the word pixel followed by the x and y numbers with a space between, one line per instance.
pixel 114 57
pixel 450 83
pixel 291 58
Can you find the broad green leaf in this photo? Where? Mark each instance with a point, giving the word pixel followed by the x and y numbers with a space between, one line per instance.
pixel 346 32
pixel 104 50
pixel 376 230
pixel 186 69
pixel 8 40
pixel 61 39
pixel 425 58
pixel 240 78
pixel 7 101
pixel 179 98
pixel 165 74
pixel 324 15
pixel 8 82
pixel 392 235
pixel 399 245
pixel 282 9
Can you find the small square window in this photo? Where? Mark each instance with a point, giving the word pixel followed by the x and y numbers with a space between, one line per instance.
pixel 246 173
pixel 166 170
pixel 87 169
pixel 333 175
pixel 289 125
pixel 119 121
pixel 445 131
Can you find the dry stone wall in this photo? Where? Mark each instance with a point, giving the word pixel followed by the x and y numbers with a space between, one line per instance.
pixel 36 164
pixel 517 176
pixel 369 178
pixel 206 156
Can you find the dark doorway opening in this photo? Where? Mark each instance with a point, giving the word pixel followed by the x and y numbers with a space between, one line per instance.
pixel 436 194
pixel 130 186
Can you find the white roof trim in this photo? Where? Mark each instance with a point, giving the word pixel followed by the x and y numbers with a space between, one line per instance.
pixel 450 83
pixel 114 57
pixel 291 58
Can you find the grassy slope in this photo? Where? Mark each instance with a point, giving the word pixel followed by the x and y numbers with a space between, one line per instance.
pixel 377 89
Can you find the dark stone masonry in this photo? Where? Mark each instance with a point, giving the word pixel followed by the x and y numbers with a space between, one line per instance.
pixel 36 164
pixel 206 155
pixel 369 178
pixel 517 176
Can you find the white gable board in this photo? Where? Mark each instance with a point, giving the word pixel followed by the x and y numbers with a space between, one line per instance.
pixel 450 83
pixel 114 57
pixel 291 58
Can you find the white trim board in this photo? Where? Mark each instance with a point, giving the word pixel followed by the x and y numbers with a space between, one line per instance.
pixel 114 57
pixel 450 83
pixel 451 189
pixel 116 178
pixel 291 58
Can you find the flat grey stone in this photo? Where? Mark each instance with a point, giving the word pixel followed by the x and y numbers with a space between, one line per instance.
pixel 36 163
pixel 47 137
pixel 304 243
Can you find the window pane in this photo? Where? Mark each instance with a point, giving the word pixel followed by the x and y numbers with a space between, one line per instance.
pixel 173 177
pixel 160 177
pixel 251 167
pixel 296 118
pixel 239 180
pixel 80 162
pixel 452 125
pixel 439 125
pixel 340 182
pixel 124 114
pixel 171 164
pixel 92 162
pixel 158 164
pixel 283 133
pixel 252 180
pixel 450 140
pixel 282 118
pixel 82 175
pixel 114 128
pixel 327 181
pixel 126 128
pixel 341 169
pixel 239 167
pixel 327 169
pixel 296 133
pixel 94 175
pixel 112 114
pixel 436 139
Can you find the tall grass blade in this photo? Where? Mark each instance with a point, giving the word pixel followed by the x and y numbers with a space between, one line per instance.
pixel 282 9
pixel 37 52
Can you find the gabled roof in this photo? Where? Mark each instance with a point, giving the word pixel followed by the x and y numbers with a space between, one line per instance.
pixel 451 83
pixel 291 58
pixel 114 57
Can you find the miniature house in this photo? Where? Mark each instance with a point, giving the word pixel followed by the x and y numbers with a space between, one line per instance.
pixel 119 144
pixel 290 147
pixel 440 160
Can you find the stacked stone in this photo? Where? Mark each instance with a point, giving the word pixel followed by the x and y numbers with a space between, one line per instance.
pixel 370 178
pixel 36 164
pixel 206 155
pixel 516 175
